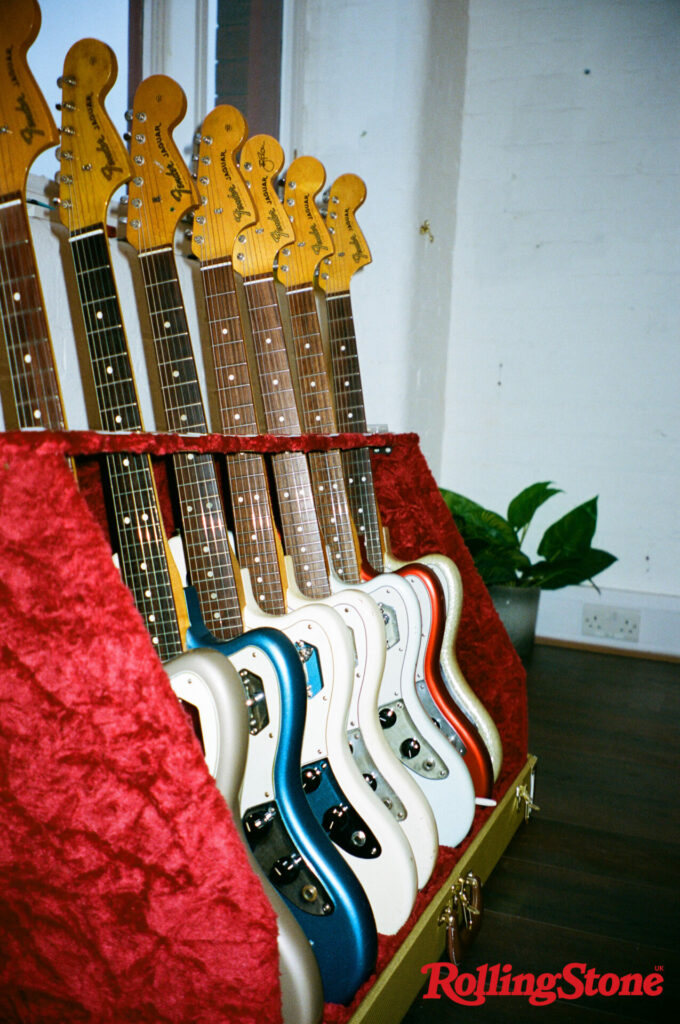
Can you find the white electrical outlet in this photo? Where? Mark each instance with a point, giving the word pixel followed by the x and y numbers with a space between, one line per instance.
pixel 611 623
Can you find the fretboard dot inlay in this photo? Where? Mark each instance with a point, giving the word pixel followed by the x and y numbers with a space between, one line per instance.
pixel 240 501
pixel 190 456
pixel 109 370
pixel 230 377
pixel 154 640
pixel 313 384
pixel 216 615
pixel 346 383
pixel 142 566
pixel 237 416
pixel 225 331
pixel 299 529
pixel 350 415
pixel 16 296
pixel 257 558
pixel 210 574
pixel 152 618
pixel 268 341
pixel 206 549
pixel 119 419
pixel 28 359
pixel 275 381
pixel 166 325
pixel 144 517
pixel 281 419
pixel 175 373
pixel 147 593
pixel 126 520
pixel 100 315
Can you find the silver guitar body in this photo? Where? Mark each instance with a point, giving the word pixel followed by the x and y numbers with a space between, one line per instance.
pixel 211 683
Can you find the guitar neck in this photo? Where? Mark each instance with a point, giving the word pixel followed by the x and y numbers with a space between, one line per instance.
pixel 206 541
pixel 35 387
pixel 297 509
pixel 141 544
pixel 318 416
pixel 256 540
pixel 351 418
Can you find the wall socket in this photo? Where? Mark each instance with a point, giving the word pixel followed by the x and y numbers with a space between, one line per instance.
pixel 611 623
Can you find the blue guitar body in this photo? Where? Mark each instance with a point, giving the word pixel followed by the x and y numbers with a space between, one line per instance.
pixel 284 835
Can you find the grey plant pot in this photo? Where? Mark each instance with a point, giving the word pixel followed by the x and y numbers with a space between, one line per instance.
pixel 517 608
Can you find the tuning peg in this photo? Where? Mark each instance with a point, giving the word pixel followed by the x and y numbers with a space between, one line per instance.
pixel 69 80
pixel 127 136
pixel 129 114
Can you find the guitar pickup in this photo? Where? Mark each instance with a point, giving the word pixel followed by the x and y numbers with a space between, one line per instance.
pixel 256 702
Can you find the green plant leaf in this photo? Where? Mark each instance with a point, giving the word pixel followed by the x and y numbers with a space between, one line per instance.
pixel 570 536
pixel 498 564
pixel 564 572
pixel 478 523
pixel 522 508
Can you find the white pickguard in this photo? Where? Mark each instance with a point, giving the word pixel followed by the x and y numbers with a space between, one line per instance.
pixel 209 681
pixel 339 628
pixel 458 687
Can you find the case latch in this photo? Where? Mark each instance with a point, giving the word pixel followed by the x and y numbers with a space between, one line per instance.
pixel 524 797
pixel 462 917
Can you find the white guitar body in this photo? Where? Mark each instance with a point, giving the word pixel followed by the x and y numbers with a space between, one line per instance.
pixel 209 681
pixel 401 793
pixel 455 681
pixel 346 630
pixel 437 768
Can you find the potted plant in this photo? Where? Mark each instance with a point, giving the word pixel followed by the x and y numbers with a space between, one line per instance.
pixel 565 553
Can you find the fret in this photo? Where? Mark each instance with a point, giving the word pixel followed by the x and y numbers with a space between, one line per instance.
pixel 299 523
pixel 33 375
pixel 254 529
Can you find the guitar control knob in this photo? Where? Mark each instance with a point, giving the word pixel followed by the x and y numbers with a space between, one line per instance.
pixel 335 819
pixel 387 717
pixel 370 778
pixel 285 869
pixel 311 779
pixel 258 822
pixel 409 748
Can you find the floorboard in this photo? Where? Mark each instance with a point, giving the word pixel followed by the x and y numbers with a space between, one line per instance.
pixel 594 878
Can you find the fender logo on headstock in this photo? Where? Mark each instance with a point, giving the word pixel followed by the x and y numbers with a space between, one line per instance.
pixel 172 169
pixel 110 168
pixel 318 245
pixel 273 216
pixel 359 253
pixel 30 130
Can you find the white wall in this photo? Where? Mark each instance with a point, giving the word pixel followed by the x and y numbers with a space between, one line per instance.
pixel 557 236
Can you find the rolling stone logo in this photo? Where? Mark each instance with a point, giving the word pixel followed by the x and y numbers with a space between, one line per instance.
pixel 574 981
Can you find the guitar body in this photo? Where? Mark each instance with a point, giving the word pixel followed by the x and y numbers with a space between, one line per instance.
pixel 432 691
pixel 434 765
pixel 289 843
pixel 459 688
pixel 209 683
pixel 368 837
pixel 394 783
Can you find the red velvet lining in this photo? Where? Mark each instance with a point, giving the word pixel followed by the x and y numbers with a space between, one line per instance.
pixel 125 894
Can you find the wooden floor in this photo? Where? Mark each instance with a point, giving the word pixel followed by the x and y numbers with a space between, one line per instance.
pixel 594 877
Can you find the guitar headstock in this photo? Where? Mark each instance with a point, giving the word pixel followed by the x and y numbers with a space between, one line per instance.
pixel 94 161
pixel 226 208
pixel 161 190
pixel 26 124
pixel 346 195
pixel 304 180
pixel 256 248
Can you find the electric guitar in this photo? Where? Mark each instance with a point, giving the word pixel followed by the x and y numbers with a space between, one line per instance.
pixel 95 163
pixel 357 822
pixel 26 129
pixel 297 269
pixel 351 253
